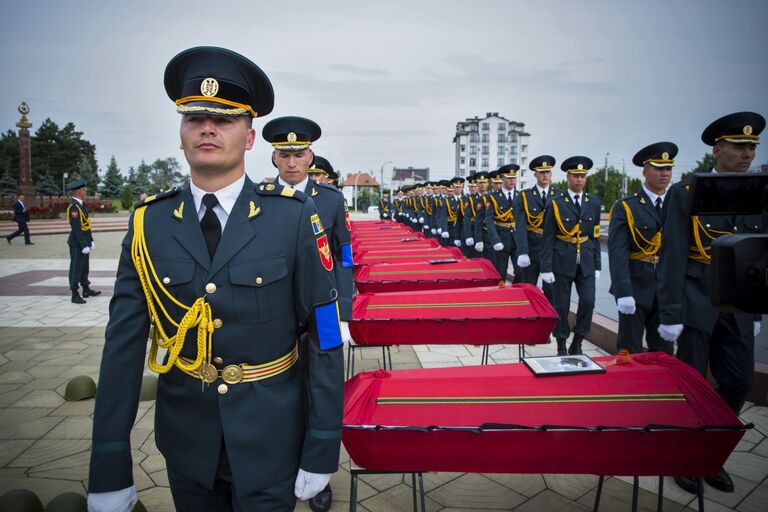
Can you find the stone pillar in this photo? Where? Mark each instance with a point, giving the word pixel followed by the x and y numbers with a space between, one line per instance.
pixel 26 186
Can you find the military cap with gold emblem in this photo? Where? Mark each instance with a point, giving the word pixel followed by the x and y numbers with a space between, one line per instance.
pixel 321 166
pixel 444 183
pixel 482 177
pixel 76 185
pixel 457 180
pixel 495 176
pixel 291 133
pixel 216 81
pixel 509 170
pixel 543 163
pixel 737 128
pixel 576 165
pixel 660 154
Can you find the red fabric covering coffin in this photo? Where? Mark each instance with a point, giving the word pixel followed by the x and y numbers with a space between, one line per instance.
pixel 407 255
pixel 391 234
pixel 389 245
pixel 653 416
pixel 373 223
pixel 475 316
pixel 422 276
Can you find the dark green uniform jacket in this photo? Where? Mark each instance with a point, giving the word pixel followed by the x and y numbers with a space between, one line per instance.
pixel 559 256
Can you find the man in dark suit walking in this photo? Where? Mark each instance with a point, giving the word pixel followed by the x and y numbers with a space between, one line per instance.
pixel 21 217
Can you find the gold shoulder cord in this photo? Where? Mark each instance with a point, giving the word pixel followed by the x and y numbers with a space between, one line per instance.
pixel 472 206
pixel 498 215
pixel 566 235
pixel 647 247
pixel 534 221
pixel 85 222
pixel 197 316
pixel 451 217
pixel 699 252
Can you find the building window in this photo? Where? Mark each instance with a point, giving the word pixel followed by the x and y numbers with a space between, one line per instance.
pixel 525 148
pixel 485 162
pixel 472 150
pixel 462 173
pixel 463 148
pixel 502 127
pixel 499 162
pixel 474 138
pixel 524 160
pixel 485 137
pixel 473 162
pixel 514 161
pixel 486 126
pixel 501 150
pixel 502 138
pixel 485 150
pixel 512 150
pixel 461 160
pixel 513 138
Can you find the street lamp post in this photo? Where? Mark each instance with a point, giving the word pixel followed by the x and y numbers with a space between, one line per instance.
pixel 381 184
pixel 605 169
pixel 64 176
pixel 355 190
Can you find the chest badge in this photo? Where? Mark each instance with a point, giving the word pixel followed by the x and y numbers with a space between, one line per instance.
pixel 253 210
pixel 179 212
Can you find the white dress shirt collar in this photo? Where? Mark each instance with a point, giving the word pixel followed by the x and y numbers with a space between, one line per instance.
pixel 226 196
pixel 581 196
pixel 301 186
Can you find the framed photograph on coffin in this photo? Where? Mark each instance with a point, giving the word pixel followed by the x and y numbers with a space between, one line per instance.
pixel 562 365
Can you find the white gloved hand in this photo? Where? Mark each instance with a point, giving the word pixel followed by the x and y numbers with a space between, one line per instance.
pixel 421 220
pixel 757 329
pixel 439 230
pixel 597 274
pixel 469 241
pixel 626 305
pixel 309 484
pixel 523 261
pixel 93 245
pixel 346 336
pixel 670 332
pixel 445 234
pixel 479 246
pixel 86 250
pixel 498 246
pixel 457 243
pixel 548 277
pixel 433 230
pixel 114 501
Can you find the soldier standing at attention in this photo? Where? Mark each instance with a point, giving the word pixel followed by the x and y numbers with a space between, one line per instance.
pixel 482 208
pixel 454 211
pixel 385 206
pixel 706 337
pixel 80 243
pixel 230 275
pixel 441 212
pixel 634 240
pixel 469 213
pixel 502 230
pixel 531 208
pixel 570 252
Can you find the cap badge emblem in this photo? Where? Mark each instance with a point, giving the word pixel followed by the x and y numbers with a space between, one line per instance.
pixel 748 130
pixel 580 167
pixel 270 187
pixel 665 156
pixel 291 137
pixel 209 87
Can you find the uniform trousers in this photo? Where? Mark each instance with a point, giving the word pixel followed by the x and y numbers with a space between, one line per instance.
pixel 631 329
pixel 501 258
pixel 78 268
pixel 530 274
pixel 729 355
pixel 561 290
pixel 190 496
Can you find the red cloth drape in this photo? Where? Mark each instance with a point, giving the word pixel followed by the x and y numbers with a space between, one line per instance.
pixel 422 276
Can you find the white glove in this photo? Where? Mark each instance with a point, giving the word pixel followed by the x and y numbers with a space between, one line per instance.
pixel 457 243
pixel 421 220
pixel 86 250
pixel 757 329
pixel 626 305
pixel 548 277
pixel 114 501
pixel 597 274
pixel 444 234
pixel 469 241
pixel 93 245
pixel 309 484
pixel 346 337
pixel 670 332
pixel 523 261
pixel 479 246
pixel 433 230
pixel 498 246
pixel 439 230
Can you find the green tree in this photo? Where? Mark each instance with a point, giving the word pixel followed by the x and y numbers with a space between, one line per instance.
pixel 126 198
pixel 9 153
pixel 8 184
pixel 166 173
pixel 704 165
pixel 57 150
pixel 86 171
pixel 46 186
pixel 112 184
pixel 139 178
pixel 364 198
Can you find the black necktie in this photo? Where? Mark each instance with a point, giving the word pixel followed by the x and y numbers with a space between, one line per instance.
pixel 544 196
pixel 576 202
pixel 658 206
pixel 210 224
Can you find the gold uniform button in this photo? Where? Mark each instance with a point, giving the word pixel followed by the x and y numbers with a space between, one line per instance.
pixel 222 389
pixel 259 280
pixel 218 360
pixel 217 323
pixel 210 288
pixel 166 280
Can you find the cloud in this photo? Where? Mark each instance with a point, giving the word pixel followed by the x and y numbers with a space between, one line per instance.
pixel 357 70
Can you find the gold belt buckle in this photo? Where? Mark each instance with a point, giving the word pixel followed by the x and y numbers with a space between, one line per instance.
pixel 654 259
pixel 232 374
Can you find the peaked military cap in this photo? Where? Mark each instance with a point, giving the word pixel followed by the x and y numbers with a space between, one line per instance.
pixel 660 154
pixel 444 183
pixel 76 185
pixel 291 133
pixel 482 177
pixel 509 170
pixel 577 165
pixel 495 176
pixel 542 163
pixel 216 81
pixel 320 164
pixel 738 128
pixel 457 180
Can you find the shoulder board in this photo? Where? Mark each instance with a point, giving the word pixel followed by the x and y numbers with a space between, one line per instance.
pixel 275 189
pixel 160 195
pixel 328 187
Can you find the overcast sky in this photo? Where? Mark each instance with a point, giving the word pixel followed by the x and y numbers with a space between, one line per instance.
pixel 388 81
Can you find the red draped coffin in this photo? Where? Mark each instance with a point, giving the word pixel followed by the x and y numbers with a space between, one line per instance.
pixel 403 277
pixel 407 255
pixel 477 316
pixel 652 416
pixel 389 245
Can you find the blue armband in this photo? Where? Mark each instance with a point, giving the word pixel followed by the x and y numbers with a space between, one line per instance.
pixel 328 326
pixel 346 256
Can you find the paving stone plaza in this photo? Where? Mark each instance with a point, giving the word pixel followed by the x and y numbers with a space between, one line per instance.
pixel 45 440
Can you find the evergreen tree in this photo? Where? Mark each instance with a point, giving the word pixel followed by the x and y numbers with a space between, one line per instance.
pixel 126 198
pixel 165 174
pixel 87 171
pixel 57 150
pixel 704 165
pixel 7 184
pixel 46 186
pixel 112 184
pixel 9 153
pixel 139 178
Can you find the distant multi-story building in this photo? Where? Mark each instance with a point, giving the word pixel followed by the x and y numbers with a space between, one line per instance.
pixel 402 176
pixel 487 143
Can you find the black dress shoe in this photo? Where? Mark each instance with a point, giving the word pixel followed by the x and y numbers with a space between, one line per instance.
pixel 322 501
pixel 561 348
pixel 575 348
pixel 722 482
pixel 87 292
pixel 688 483
pixel 8 240
pixel 76 298
pixel 29 243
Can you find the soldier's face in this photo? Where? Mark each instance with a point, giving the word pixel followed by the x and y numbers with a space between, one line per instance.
pixel 215 144
pixel 80 193
pixel 293 165
pixel 732 157
pixel 576 182
pixel 509 183
pixel 457 189
pixel 657 178
pixel 472 189
pixel 543 178
pixel 482 187
pixel 318 177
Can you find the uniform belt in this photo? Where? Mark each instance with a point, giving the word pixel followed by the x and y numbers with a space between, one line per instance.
pixel 573 239
pixel 237 373
pixel 538 231
pixel 638 256
pixel 504 224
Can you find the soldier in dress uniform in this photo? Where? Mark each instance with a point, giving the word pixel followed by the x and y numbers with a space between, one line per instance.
pixel 454 211
pixel 441 212
pixel 385 206
pixel 230 275
pixel 469 213
pixel 634 240
pixel 496 181
pixel 531 208
pixel 80 243
pixel 502 229
pixel 483 215
pixel 570 252
pixel 706 337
